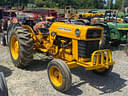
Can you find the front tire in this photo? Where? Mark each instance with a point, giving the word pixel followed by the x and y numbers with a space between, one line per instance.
pixel 105 43
pixel 21 47
pixel 103 71
pixel 59 75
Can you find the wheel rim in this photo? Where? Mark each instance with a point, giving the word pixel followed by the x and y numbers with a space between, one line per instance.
pixel 55 76
pixel 14 47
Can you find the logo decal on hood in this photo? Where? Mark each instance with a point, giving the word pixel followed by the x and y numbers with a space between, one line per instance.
pixel 64 29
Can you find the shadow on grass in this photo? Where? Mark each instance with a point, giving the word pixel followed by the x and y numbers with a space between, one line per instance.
pixel 106 84
pixel 120 47
pixel 7 72
pixel 38 65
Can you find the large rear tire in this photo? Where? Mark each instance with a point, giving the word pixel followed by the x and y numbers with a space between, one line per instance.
pixel 59 75
pixel 10 29
pixel 20 46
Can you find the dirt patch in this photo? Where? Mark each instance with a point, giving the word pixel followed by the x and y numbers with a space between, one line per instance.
pixel 33 81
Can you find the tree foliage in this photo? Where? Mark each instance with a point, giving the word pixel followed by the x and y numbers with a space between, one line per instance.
pixel 98 4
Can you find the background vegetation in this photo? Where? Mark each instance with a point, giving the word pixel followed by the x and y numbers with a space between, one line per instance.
pixel 89 4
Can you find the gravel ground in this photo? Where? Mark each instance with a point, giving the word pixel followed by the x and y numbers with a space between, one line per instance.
pixel 33 81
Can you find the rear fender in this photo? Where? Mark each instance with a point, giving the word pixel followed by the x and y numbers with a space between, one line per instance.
pixel 33 35
pixel 10 28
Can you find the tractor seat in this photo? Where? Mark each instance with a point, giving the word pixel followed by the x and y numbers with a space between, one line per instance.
pixel 44 31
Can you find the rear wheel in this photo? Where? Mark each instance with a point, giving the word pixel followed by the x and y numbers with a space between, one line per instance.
pixel 126 49
pixel 10 29
pixel 21 47
pixel 59 75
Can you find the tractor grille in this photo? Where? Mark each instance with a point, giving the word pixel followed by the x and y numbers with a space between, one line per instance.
pixel 86 48
pixel 93 33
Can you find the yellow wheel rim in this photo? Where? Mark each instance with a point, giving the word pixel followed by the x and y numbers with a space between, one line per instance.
pixel 55 76
pixel 14 47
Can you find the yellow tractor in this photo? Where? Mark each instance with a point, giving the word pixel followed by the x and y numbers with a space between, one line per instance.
pixel 71 13
pixel 70 46
pixel 88 15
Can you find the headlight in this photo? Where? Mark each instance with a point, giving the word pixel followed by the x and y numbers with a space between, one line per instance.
pixel 77 32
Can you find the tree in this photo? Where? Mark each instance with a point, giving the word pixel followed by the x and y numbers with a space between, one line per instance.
pixel 118 4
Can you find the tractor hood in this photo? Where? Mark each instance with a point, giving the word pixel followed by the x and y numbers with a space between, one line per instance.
pixel 120 26
pixel 70 31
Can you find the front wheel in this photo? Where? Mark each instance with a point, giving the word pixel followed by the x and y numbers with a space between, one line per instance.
pixel 59 75
pixel 126 49
pixel 105 43
pixel 103 71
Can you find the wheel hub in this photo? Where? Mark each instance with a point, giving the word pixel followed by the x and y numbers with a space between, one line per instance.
pixel 14 47
pixel 55 76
